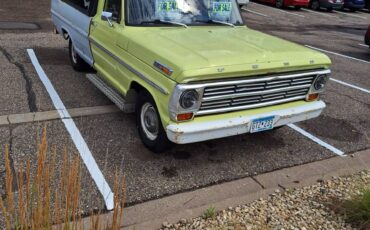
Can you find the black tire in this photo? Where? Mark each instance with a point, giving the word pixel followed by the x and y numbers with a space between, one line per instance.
pixel 329 9
pixel 315 5
pixel 77 62
pixel 353 9
pixel 297 7
pixel 160 143
pixel 280 127
pixel 279 4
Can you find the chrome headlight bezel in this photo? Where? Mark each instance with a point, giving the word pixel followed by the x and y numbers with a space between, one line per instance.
pixel 189 99
pixel 320 83
pixel 175 107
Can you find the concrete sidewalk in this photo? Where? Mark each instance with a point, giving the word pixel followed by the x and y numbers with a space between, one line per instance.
pixel 171 209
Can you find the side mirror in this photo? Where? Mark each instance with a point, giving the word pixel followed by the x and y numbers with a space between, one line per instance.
pixel 107 16
pixel 242 2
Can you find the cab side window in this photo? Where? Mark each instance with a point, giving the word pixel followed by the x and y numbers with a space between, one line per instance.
pixel 114 7
pixel 87 7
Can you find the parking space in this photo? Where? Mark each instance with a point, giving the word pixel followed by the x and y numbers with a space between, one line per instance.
pixel 113 139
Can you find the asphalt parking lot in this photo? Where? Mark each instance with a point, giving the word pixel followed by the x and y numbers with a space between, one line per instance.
pixel 112 136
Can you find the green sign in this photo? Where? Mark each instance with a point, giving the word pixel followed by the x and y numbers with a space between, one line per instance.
pixel 167 5
pixel 221 6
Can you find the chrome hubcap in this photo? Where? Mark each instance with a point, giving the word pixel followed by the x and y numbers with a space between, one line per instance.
pixel 149 121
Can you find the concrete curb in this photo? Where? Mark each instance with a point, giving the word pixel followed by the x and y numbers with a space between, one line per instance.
pixel 171 209
pixel 54 115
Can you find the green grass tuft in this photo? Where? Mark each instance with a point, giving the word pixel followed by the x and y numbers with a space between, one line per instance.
pixel 357 210
pixel 210 213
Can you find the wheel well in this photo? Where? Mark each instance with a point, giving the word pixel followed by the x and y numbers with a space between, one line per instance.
pixel 137 87
pixel 132 94
pixel 65 34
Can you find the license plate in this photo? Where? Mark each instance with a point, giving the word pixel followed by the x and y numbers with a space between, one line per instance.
pixel 262 124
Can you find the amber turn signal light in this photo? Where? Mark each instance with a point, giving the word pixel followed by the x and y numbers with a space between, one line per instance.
pixel 166 70
pixel 312 97
pixel 185 117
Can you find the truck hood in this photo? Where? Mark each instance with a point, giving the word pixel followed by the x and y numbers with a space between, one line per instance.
pixel 202 53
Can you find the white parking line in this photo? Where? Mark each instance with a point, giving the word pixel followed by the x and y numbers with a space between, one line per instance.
pixel 350 85
pixel 287 12
pixel 364 45
pixel 76 136
pixel 351 15
pixel 322 14
pixel 342 82
pixel 338 54
pixel 254 12
pixel 283 11
pixel 317 140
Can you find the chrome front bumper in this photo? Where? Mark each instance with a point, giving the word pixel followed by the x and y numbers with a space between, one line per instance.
pixel 185 133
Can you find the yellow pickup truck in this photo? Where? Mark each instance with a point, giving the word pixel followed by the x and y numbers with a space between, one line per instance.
pixel 191 69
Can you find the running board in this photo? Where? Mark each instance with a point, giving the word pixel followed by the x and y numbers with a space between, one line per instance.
pixel 111 93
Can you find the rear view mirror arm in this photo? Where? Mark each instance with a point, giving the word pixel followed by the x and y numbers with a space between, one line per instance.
pixel 107 16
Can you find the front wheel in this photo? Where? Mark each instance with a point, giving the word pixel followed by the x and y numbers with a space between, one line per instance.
pixel 149 124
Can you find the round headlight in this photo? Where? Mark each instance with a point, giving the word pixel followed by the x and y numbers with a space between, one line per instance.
pixel 189 99
pixel 320 82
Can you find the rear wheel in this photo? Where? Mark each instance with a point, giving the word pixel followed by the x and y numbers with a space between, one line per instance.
pixel 279 4
pixel 149 124
pixel 77 62
pixel 315 5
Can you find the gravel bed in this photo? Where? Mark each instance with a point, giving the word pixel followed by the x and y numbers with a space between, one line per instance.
pixel 289 209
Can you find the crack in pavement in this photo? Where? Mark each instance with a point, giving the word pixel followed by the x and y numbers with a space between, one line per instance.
pixel 31 96
pixel 259 183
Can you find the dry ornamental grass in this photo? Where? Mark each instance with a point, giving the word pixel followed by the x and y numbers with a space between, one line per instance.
pixel 39 205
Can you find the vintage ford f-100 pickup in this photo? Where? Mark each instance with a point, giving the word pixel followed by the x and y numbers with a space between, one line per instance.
pixel 191 69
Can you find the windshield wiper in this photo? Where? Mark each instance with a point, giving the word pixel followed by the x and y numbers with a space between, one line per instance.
pixel 157 21
pixel 216 22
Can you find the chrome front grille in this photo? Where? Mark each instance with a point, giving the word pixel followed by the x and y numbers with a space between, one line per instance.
pixel 256 92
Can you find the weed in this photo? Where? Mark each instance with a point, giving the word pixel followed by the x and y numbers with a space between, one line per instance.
pixel 210 213
pixel 356 210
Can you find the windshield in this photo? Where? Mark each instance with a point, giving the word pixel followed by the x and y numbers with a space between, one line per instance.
pixel 177 12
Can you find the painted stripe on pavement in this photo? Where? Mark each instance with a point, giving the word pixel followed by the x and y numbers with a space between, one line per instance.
pixel 254 12
pixel 339 81
pixel 350 85
pixel 338 54
pixel 76 136
pixel 283 11
pixel 317 140
pixel 286 12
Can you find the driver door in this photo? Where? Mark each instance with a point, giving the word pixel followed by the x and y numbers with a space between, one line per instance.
pixel 103 38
